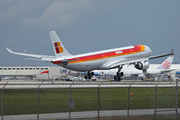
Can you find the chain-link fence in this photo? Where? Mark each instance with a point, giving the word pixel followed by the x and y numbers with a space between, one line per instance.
pixel 126 101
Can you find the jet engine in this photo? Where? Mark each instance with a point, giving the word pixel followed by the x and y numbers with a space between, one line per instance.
pixel 142 65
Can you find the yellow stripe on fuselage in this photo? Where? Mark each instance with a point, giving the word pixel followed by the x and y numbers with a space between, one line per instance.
pixel 142 48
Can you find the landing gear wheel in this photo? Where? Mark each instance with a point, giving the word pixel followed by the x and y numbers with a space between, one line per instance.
pixel 86 76
pixel 118 76
pixel 92 73
pixel 89 75
pixel 115 77
pixel 122 74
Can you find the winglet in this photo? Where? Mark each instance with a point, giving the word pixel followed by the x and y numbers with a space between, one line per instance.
pixel 172 52
pixel 163 55
pixel 9 50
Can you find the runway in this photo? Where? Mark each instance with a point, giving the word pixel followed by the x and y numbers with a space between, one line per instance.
pixel 87 114
pixel 27 84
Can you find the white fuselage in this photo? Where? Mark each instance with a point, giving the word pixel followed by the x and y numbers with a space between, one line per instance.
pixel 102 60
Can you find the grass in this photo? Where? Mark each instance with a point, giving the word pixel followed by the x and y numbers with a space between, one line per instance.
pixel 132 117
pixel 86 99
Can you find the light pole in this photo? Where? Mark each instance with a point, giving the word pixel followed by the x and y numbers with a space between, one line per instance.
pixel 25 58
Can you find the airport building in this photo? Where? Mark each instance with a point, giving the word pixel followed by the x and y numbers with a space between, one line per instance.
pixel 30 72
pixel 34 72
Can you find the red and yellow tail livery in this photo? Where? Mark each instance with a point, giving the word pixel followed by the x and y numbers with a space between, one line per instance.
pixel 58 47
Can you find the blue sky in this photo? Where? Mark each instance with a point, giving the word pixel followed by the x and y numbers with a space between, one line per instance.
pixel 87 26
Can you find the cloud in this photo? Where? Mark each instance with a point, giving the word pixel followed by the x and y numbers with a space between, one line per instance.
pixel 9 9
pixel 65 13
pixel 52 14
pixel 13 10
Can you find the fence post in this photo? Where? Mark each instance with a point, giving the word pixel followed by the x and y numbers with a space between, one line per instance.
pixel 70 100
pixel 155 101
pixel 176 98
pixel 98 102
pixel 38 104
pixel 128 101
pixel 38 100
pixel 3 101
pixel 128 104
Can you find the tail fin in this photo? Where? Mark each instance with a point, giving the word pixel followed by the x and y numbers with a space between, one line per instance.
pixel 59 49
pixel 166 64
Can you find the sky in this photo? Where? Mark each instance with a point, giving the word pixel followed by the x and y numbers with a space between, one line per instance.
pixel 87 26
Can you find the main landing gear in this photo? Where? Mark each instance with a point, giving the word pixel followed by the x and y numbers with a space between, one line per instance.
pixel 89 75
pixel 119 74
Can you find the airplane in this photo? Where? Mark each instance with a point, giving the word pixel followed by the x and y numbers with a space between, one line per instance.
pixel 162 68
pixel 100 60
pixel 7 78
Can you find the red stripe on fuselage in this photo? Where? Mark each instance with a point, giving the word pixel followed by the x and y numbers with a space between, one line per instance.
pixel 136 49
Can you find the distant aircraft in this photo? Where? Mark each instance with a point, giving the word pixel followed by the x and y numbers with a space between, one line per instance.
pixel 7 78
pixel 164 67
pixel 100 60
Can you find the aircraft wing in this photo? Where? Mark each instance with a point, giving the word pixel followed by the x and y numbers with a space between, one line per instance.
pixel 42 57
pixel 168 70
pixel 163 55
pixel 125 62
pixel 114 64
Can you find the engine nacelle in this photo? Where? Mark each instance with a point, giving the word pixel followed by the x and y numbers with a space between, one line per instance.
pixel 142 66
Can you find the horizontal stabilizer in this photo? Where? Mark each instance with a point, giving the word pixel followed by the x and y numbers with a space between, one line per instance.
pixel 45 60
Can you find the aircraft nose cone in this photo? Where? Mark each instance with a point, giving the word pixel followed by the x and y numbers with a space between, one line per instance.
pixel 149 50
